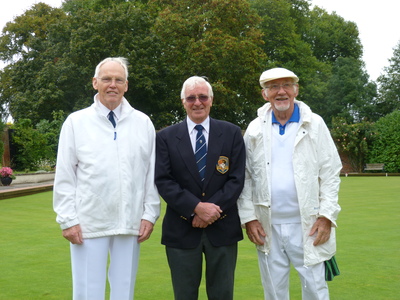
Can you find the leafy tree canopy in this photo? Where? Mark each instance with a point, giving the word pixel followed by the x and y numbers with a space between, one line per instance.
pixel 52 54
pixel 389 86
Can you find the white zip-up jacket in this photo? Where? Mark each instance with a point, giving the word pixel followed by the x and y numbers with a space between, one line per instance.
pixel 104 175
pixel 316 166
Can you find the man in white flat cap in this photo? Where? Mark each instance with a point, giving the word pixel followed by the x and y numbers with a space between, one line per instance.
pixel 289 204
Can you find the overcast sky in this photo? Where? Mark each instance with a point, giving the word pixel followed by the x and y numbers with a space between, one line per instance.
pixel 378 23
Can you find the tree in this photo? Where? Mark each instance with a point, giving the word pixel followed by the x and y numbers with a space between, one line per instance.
pixel 350 93
pixel 353 140
pixel 25 45
pixel 389 86
pixel 284 24
pixel 331 37
pixel 52 54
pixel 386 148
pixel 218 39
pixel 56 73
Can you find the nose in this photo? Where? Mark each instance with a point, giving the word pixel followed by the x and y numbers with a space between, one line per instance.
pixel 281 89
pixel 113 83
pixel 197 102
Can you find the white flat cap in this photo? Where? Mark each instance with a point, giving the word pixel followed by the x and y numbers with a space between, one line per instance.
pixel 276 73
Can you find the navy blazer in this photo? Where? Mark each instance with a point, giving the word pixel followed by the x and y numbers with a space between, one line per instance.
pixel 179 183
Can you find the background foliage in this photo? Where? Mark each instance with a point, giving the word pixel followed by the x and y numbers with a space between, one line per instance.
pixel 386 147
pixel 354 140
pixel 51 54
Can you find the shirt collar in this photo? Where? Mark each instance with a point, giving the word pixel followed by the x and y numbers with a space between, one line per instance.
pixel 105 110
pixel 191 124
pixel 295 117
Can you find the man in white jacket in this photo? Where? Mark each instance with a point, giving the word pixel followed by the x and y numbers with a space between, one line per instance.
pixel 104 192
pixel 289 204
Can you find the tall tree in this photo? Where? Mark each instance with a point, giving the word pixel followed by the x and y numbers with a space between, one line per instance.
pixel 284 24
pixel 53 69
pixel 218 39
pixel 316 46
pixel 331 37
pixel 25 45
pixel 350 93
pixel 389 86
pixel 53 52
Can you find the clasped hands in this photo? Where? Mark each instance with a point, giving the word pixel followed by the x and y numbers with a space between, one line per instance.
pixel 206 214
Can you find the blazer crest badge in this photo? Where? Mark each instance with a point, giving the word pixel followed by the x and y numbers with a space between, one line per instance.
pixel 223 164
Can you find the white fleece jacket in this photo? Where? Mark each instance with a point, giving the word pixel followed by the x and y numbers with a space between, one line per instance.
pixel 104 176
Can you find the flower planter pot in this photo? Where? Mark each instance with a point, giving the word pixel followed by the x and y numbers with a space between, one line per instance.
pixel 6 180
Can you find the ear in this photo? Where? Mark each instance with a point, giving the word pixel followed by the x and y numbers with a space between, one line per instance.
pixel 126 86
pixel 94 83
pixel 297 90
pixel 264 94
pixel 211 101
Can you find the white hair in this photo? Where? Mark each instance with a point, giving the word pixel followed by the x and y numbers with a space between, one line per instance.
pixel 121 60
pixel 191 82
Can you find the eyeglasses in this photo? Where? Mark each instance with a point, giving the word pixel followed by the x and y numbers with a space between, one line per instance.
pixel 192 99
pixel 277 87
pixel 118 81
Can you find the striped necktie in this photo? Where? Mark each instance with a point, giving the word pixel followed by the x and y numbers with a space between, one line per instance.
pixel 111 118
pixel 201 151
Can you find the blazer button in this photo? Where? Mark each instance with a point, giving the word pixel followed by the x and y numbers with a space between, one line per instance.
pixel 203 194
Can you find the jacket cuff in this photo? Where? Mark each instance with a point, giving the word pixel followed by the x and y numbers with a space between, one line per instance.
pixel 69 224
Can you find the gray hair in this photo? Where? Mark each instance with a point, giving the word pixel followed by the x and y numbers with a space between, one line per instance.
pixel 121 60
pixel 191 82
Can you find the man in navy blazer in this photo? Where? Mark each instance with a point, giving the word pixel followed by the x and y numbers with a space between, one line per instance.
pixel 201 215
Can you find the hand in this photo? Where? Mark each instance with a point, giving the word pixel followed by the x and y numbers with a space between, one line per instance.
pixel 323 229
pixel 255 232
pixel 73 234
pixel 208 212
pixel 146 228
pixel 199 223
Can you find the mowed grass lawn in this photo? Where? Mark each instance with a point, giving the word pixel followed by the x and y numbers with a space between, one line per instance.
pixel 34 258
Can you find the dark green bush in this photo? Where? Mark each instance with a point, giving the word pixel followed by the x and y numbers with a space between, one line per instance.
pixel 386 147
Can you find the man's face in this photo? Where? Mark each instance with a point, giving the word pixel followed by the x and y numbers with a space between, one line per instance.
pixel 111 84
pixel 197 110
pixel 281 93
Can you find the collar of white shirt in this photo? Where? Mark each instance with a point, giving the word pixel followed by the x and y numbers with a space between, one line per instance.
pixel 105 111
pixel 205 124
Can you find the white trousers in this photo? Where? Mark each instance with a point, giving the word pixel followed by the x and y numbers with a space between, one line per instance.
pixel 89 267
pixel 286 249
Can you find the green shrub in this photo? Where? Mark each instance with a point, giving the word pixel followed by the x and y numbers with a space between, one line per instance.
pixel 36 148
pixel 386 147
pixel 354 140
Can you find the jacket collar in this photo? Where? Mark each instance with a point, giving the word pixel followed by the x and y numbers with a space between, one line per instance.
pixel 125 107
pixel 305 111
